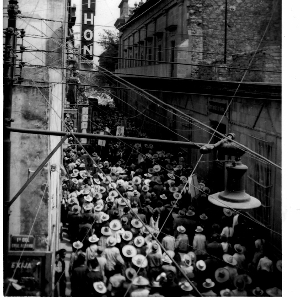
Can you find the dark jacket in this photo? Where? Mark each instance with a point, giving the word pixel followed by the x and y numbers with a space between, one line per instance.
pixel 79 281
pixel 215 248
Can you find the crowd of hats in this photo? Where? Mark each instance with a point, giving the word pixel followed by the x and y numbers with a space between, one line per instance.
pixel 100 205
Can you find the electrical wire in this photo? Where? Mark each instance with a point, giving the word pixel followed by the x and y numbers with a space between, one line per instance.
pixel 172 112
pixel 252 58
pixel 150 90
pixel 237 212
pixel 121 80
pixel 199 189
pixel 35 218
pixel 137 217
pixel 171 63
pixel 148 31
pixel 170 130
pixel 157 98
pixel 100 41
pixel 167 62
pixel 123 198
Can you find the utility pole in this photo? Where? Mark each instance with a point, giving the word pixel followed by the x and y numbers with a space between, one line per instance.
pixel 8 80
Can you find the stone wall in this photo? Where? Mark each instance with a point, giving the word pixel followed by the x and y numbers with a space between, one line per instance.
pixel 247 21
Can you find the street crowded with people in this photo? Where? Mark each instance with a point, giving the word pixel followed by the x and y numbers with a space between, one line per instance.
pixel 136 230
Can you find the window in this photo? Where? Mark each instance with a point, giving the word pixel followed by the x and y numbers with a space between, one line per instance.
pixel 125 58
pixel 172 58
pixel 159 53
pixel 142 56
pixel 260 179
pixel 149 56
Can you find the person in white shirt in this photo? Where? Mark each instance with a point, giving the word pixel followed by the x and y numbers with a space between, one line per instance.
pixel 199 243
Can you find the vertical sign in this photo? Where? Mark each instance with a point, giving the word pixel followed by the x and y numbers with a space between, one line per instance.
pixel 120 131
pixel 102 143
pixel 84 122
pixel 28 270
pixel 70 121
pixel 193 185
pixel 87 29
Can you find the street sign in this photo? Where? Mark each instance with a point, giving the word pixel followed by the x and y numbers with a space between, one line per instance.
pixel 193 185
pixel 120 131
pixel 101 142
pixel 20 242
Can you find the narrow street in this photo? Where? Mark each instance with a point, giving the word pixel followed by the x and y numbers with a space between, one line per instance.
pixel 142 148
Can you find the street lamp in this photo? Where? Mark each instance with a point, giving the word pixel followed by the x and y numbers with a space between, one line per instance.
pixel 234 196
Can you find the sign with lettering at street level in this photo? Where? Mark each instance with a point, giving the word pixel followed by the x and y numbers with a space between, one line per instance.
pixel 20 242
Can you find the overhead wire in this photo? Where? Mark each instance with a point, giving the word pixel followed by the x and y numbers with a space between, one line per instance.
pixel 149 90
pixel 99 41
pixel 131 210
pixel 173 112
pixel 185 119
pixel 182 118
pixel 121 80
pixel 148 94
pixel 238 212
pixel 171 63
pixel 251 60
pixel 177 133
pixel 34 220
pixel 148 31
pixel 166 62
pixel 198 187
pixel 137 217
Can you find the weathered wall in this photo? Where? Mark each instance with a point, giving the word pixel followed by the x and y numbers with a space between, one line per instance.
pixel 28 151
pixel 256 123
pixel 31 109
pixel 200 39
pixel 247 22
pixel 168 19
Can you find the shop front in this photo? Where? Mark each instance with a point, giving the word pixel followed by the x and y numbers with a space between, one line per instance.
pixel 30 272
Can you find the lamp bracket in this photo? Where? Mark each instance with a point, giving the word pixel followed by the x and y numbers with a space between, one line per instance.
pixel 225 146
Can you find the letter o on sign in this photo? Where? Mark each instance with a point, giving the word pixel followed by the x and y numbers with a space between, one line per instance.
pixel 88 34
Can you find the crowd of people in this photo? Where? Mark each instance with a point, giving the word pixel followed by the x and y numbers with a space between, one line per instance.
pixel 137 231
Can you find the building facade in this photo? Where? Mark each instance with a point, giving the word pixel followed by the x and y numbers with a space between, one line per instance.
pixel 37 103
pixel 201 39
pixel 179 52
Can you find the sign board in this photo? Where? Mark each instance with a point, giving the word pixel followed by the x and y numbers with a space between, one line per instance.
pixel 70 120
pixel 84 122
pixel 28 270
pixel 193 185
pixel 101 142
pixel 217 107
pixel 87 29
pixel 20 242
pixel 120 131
